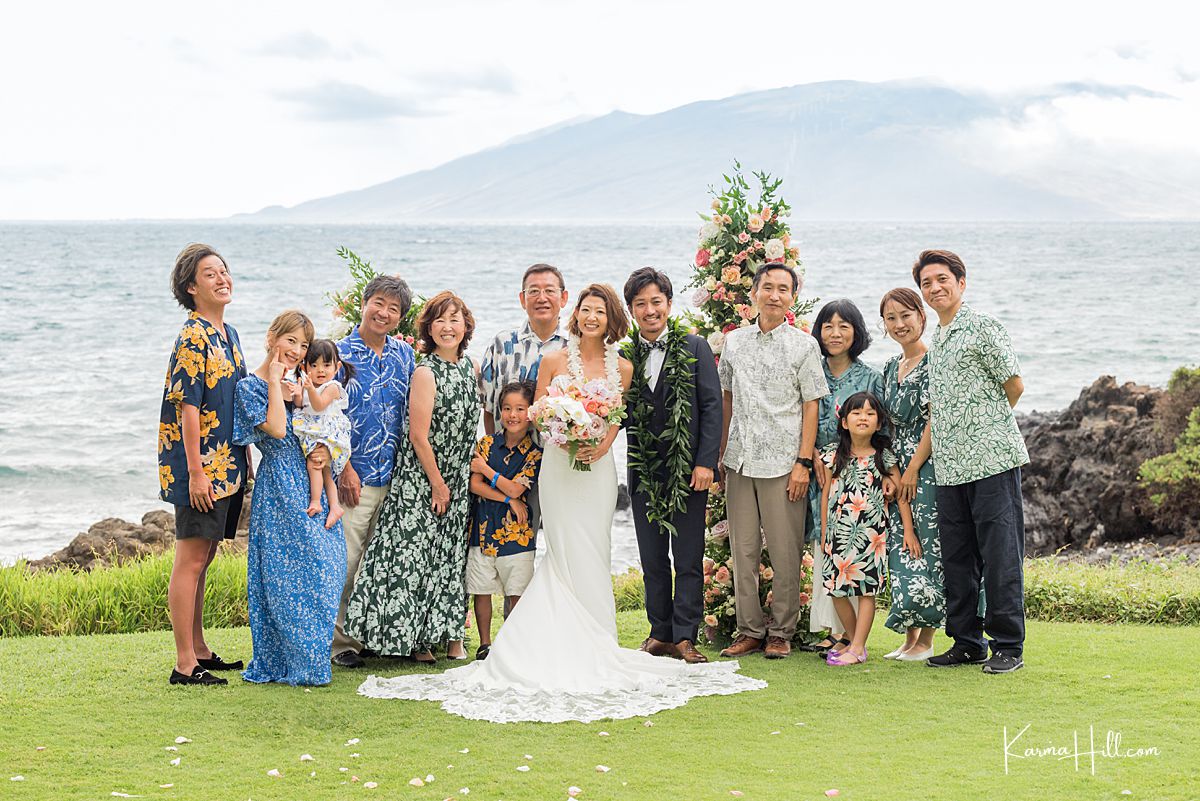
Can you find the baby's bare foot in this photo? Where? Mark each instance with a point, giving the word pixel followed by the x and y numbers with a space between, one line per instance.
pixel 335 514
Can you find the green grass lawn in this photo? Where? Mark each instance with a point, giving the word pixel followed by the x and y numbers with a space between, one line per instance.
pixel 101 708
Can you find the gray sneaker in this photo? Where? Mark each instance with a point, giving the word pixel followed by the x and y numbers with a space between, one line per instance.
pixel 1003 663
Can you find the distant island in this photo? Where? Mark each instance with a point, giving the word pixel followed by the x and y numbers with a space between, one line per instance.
pixel 846 150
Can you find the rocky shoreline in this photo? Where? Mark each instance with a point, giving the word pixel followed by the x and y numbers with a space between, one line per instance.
pixel 1082 498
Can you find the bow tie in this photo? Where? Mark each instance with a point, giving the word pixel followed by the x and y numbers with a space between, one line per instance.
pixel 657 344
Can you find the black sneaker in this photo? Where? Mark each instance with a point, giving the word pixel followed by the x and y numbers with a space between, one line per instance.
pixel 199 676
pixel 348 659
pixel 1003 663
pixel 956 656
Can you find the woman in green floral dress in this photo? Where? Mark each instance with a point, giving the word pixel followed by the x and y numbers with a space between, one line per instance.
pixel 410 596
pixel 918 596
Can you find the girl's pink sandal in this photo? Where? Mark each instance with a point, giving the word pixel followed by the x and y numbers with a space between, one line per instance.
pixel 845 658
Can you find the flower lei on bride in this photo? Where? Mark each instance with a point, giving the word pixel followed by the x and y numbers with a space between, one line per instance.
pixel 664 499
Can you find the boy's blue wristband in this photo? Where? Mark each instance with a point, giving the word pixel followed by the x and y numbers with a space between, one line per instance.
pixel 507 499
pixel 495 478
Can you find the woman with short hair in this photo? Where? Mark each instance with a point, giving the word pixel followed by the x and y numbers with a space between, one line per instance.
pixel 410 594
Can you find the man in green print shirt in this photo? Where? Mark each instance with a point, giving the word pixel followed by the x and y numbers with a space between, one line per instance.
pixel 978 453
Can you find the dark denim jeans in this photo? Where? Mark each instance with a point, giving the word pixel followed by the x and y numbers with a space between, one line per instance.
pixel 982 528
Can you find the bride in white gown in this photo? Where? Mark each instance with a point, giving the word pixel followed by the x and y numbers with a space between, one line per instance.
pixel 556 657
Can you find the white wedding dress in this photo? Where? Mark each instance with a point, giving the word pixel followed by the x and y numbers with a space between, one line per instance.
pixel 556 657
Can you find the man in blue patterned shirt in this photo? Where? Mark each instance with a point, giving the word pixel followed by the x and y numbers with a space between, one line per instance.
pixel 378 398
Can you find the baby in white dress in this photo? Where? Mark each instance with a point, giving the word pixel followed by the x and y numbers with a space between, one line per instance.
pixel 322 426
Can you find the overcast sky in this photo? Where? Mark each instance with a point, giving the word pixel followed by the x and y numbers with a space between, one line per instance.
pixel 118 110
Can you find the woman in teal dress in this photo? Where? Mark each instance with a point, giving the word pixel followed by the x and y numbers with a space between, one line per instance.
pixel 410 594
pixel 295 566
pixel 841 332
pixel 918 595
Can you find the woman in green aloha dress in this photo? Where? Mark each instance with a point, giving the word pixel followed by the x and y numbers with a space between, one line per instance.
pixel 409 595
pixel 918 595
pixel 841 332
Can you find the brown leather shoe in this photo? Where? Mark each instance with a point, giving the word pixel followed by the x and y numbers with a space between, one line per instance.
pixel 688 653
pixel 743 645
pixel 657 647
pixel 777 648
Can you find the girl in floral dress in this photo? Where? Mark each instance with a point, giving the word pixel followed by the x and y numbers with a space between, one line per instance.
pixel 410 593
pixel 854 523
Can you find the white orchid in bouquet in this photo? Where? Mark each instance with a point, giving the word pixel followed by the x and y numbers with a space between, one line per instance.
pixel 738 237
pixel 576 413
pixel 347 304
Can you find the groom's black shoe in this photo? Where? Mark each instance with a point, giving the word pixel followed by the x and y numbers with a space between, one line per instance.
pixel 348 659
pixel 199 676
pixel 215 662
pixel 657 647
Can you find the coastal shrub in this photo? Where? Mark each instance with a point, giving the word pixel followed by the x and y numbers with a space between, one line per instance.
pixel 119 599
pixel 1173 480
pixel 1175 408
pixel 132 597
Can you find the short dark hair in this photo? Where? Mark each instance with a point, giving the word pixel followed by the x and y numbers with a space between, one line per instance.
pixel 326 350
pixel 618 321
pixel 434 308
pixel 844 308
pixel 534 269
pixel 643 277
pixel 392 286
pixel 525 389
pixel 946 257
pixel 183 274
pixel 776 265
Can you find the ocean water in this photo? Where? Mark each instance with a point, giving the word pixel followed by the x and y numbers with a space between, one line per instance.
pixel 87 320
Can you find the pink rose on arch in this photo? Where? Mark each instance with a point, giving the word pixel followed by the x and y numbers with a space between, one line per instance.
pixel 702 257
pixel 720 530
pixel 700 297
pixel 739 257
pixel 790 316
pixel 743 237
pixel 723 576
pixel 719 294
pixel 758 244
pixel 731 275
pixel 755 223
pixel 804 599
pixel 766 213
pixel 807 559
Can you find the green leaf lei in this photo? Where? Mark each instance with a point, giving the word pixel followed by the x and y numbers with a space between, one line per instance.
pixel 664 499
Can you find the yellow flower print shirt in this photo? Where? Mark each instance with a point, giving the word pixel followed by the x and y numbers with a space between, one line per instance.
pixel 494 529
pixel 204 369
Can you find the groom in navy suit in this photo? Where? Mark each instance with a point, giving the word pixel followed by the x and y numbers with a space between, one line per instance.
pixel 674 435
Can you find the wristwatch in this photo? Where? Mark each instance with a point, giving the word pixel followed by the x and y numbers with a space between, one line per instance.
pixel 800 460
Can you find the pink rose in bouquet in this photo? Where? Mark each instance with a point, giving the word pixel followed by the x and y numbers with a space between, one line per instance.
pixel 702 257
pixel 573 414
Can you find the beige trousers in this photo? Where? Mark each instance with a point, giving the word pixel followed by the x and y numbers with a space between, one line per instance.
pixel 759 510
pixel 358 524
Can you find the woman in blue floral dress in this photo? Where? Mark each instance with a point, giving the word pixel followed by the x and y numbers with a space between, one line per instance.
pixel 410 594
pixel 841 332
pixel 295 566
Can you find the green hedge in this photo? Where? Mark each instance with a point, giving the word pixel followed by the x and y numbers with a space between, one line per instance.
pixel 133 596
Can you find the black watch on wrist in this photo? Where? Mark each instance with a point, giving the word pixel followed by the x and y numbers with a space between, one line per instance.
pixel 800 460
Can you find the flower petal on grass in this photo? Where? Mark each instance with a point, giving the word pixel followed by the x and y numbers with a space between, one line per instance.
pixel 175 762
pixel 648 723
pixel 736 793
pixel 306 758
pixel 528 756
pixel 416 782
pixel 274 773
pixel 17 779
pixel 312 775
pixel 602 734
pixel 523 768
pixel 170 748
pixel 355 756
pixel 603 768
pixel 464 790
pixel 115 794
pixel 181 740
pixel 831 792
pixel 352 741
pixel 574 791
pixel 774 732
pixel 464 750
pixel 40 748
pixel 429 778
pixel 165 786
pixel 370 785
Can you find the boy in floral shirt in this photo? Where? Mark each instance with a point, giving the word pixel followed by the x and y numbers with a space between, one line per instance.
pixel 503 544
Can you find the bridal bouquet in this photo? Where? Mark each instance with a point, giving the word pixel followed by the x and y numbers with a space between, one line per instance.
pixel 573 414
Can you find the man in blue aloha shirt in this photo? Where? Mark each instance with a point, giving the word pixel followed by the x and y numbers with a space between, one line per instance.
pixel 378 407
pixel 200 471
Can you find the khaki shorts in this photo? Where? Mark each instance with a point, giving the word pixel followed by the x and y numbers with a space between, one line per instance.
pixel 498 575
